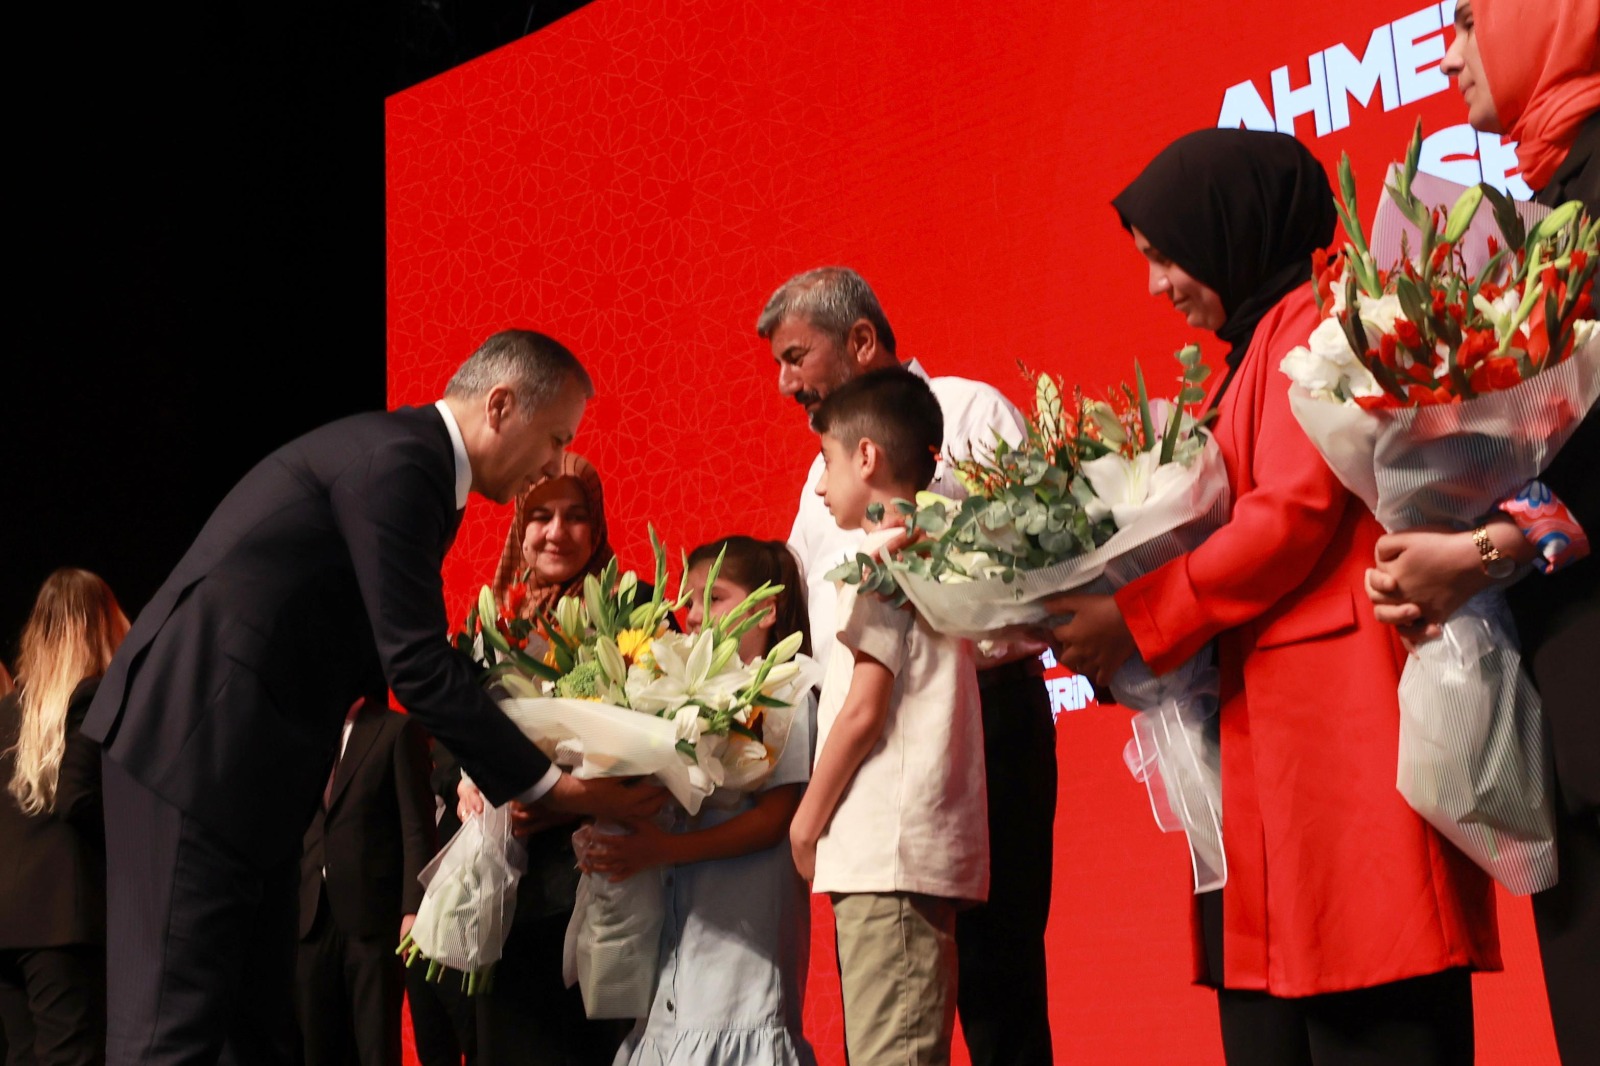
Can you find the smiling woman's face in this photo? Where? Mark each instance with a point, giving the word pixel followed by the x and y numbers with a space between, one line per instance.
pixel 560 537
pixel 1463 63
pixel 1199 305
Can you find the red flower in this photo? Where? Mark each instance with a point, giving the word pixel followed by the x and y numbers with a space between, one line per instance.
pixel 1496 374
pixel 1408 334
pixel 1580 259
pixel 1440 254
pixel 516 596
pixel 1551 282
pixel 1421 396
pixel 1475 346
pixel 1386 351
pixel 1494 247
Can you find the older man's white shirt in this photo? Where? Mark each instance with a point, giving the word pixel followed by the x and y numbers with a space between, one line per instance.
pixel 974 413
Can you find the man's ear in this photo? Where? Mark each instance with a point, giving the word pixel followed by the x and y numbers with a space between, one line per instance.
pixel 498 405
pixel 862 342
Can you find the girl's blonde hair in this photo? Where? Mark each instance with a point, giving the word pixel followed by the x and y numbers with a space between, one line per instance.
pixel 72 633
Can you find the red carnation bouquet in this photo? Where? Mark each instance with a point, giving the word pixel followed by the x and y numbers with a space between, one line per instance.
pixel 1436 387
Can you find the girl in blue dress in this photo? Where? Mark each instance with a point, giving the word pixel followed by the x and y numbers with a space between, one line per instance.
pixel 736 941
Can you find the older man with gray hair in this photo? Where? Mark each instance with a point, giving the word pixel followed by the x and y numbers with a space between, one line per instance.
pixel 825 327
pixel 315 582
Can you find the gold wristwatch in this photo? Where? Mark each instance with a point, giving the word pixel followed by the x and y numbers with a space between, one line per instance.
pixel 1494 564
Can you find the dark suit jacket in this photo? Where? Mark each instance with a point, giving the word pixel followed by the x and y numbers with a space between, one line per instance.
pixel 53 864
pixel 377 832
pixel 314 582
pixel 1558 616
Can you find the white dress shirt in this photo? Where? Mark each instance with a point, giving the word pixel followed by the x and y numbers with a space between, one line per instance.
pixel 973 414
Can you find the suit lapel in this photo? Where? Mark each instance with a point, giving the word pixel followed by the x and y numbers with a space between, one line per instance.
pixel 363 734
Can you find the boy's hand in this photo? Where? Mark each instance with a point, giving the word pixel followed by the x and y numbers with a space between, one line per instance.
pixel 804 848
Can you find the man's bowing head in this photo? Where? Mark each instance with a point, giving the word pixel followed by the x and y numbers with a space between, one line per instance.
pixel 518 400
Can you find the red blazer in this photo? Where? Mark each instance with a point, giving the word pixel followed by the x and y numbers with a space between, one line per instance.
pixel 1334 883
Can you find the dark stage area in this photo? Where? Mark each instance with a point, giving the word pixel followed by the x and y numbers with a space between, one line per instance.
pixel 198 206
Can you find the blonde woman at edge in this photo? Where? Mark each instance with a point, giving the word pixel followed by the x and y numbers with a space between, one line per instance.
pixel 52 829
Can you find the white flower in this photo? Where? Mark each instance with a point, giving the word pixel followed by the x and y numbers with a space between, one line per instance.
pixel 688 722
pixel 973 564
pixel 683 673
pixel 1328 368
pixel 1498 311
pixel 1584 332
pixel 1380 314
pixel 707 774
pixel 1128 485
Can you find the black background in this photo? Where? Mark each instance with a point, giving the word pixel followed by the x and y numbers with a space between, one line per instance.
pixel 198 261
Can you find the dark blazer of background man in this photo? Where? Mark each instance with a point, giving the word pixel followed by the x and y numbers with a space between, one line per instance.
pixel 359 891
pixel 316 580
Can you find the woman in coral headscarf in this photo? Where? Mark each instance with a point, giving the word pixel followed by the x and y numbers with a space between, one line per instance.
pixel 1347 929
pixel 1530 69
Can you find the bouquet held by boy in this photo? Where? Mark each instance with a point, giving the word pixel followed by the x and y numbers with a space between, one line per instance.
pixel 1097 494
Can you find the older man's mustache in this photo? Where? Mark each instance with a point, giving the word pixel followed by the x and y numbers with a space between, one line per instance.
pixel 808 397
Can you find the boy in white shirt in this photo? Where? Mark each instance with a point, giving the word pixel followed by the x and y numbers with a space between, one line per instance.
pixel 894 825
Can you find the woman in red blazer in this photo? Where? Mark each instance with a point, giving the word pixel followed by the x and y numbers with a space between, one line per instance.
pixel 1346 924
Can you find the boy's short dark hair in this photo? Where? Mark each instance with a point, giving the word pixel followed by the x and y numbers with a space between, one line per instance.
pixel 894 409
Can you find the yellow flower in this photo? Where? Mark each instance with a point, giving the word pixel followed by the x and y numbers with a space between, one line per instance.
pixel 550 655
pixel 634 644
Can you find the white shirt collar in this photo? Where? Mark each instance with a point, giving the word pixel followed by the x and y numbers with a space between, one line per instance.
pixel 916 368
pixel 459 446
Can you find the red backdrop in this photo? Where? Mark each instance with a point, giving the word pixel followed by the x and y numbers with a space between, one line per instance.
pixel 637 178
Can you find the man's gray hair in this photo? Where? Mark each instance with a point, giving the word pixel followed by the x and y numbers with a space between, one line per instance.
pixel 533 365
pixel 831 299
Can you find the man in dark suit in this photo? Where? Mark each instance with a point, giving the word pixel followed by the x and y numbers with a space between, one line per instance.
pixel 359 893
pixel 315 581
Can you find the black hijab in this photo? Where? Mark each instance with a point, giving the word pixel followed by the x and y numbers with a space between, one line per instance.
pixel 1240 211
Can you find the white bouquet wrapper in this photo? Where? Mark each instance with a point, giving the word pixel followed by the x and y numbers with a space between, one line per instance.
pixel 594 739
pixel 1472 759
pixel 466 912
pixel 613 946
pixel 1174 750
pixel 613 938
pixel 1161 529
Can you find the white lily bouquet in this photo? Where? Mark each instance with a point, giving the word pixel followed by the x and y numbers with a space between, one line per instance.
pixel 1095 496
pixel 1436 388
pixel 618 694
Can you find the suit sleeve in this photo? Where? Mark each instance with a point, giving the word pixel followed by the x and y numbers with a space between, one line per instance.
pixel 415 797
pixel 1276 534
pixel 392 516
